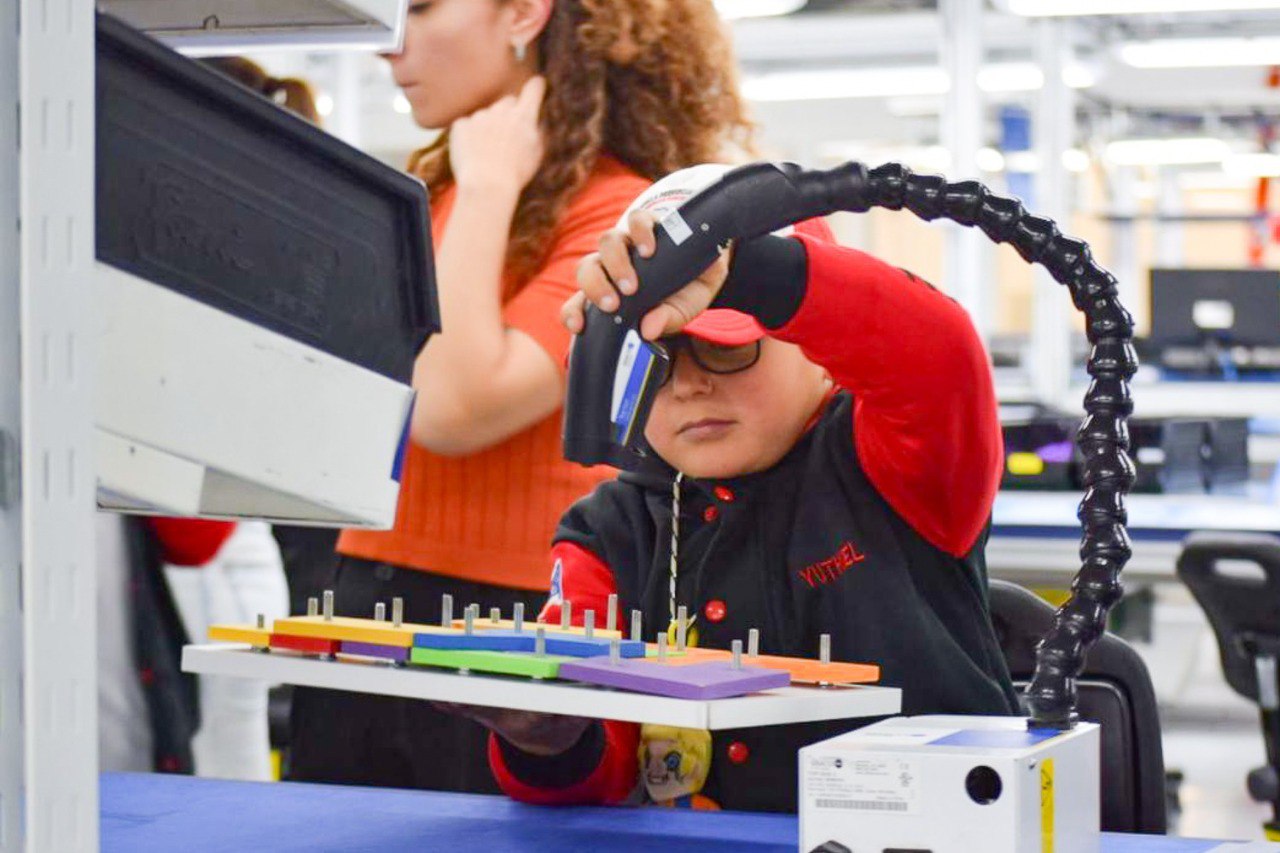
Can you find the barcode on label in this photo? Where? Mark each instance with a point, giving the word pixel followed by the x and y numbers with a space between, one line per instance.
pixel 862 805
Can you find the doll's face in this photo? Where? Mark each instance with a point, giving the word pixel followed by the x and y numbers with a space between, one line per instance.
pixel 663 778
pixel 711 425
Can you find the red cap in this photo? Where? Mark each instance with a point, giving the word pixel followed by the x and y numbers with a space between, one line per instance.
pixel 730 328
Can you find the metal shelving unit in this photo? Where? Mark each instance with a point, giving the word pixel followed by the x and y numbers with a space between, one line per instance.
pixel 48 683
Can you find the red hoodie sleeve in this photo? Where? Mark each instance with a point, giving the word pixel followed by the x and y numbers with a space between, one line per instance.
pixel 926 423
pixel 190 541
pixel 606 771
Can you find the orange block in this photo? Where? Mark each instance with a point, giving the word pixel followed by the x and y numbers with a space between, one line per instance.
pixel 802 670
pixel 256 637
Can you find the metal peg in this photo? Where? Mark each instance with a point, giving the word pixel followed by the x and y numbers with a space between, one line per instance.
pixel 446 610
pixel 540 641
pixel 495 615
pixel 518 616
pixel 753 642
pixel 566 615
pixel 636 618
pixel 468 621
pixel 589 624
pixel 380 612
pixel 313 606
pixel 328 605
pixel 737 654
pixel 615 651
pixel 662 647
pixel 397 611
pixel 262 621
pixel 682 627
pixel 611 617
pixel 824 649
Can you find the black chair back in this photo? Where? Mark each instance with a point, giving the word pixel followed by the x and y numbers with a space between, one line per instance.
pixel 1244 611
pixel 1115 691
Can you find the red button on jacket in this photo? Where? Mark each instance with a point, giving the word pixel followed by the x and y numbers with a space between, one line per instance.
pixel 738 752
pixel 724 493
pixel 715 610
pixel 710 514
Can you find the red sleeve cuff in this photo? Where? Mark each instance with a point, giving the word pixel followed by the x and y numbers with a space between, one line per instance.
pixel 609 783
pixel 190 541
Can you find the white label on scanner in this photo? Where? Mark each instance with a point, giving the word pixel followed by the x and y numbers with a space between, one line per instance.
pixel 675 226
pixel 863 783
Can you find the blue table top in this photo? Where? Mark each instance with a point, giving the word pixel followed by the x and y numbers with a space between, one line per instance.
pixel 157 812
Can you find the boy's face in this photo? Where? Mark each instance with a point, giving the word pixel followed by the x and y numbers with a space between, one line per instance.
pixel 711 425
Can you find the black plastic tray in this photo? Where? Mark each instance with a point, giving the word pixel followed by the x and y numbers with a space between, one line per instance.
pixel 210 190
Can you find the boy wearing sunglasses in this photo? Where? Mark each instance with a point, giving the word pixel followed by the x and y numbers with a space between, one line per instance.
pixel 826 453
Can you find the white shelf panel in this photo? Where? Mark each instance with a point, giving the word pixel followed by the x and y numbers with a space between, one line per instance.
pixel 232 26
pixel 768 708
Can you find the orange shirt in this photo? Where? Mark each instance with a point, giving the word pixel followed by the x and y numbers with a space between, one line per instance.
pixel 489 517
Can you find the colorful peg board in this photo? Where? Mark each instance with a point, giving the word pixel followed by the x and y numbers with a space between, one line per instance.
pixel 495 663
pixel 772 707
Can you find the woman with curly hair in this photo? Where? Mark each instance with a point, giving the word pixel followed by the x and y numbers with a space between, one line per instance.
pixel 556 115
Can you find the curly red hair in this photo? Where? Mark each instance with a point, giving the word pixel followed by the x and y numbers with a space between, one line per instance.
pixel 651 82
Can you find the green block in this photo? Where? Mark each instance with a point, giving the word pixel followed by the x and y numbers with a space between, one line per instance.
pixel 501 663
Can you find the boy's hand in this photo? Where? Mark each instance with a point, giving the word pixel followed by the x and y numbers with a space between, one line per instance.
pixel 613 263
pixel 534 733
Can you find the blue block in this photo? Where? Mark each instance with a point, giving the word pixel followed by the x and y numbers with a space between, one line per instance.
pixel 565 645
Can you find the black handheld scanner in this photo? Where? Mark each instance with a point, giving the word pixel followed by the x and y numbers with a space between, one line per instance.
pixel 614 375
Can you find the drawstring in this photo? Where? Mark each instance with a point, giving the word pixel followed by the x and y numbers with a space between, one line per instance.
pixel 675 544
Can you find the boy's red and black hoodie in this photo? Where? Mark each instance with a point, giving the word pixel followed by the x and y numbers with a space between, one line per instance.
pixel 871 528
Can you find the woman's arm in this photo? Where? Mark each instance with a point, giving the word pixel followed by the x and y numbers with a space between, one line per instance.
pixel 479 382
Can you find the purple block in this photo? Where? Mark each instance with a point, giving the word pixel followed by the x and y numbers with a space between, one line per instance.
pixel 399 654
pixel 713 680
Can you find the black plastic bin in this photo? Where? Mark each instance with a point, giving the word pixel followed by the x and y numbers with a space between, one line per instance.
pixel 213 191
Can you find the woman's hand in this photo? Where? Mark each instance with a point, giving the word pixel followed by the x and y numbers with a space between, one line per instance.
pixel 537 734
pixel 613 264
pixel 500 147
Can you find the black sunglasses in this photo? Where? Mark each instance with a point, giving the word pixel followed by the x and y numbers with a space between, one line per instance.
pixel 713 358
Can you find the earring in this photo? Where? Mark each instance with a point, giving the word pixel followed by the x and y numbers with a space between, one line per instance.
pixel 519 48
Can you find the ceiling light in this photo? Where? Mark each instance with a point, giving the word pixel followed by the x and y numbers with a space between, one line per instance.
pixel 1200 53
pixel 898 82
pixel 1075 160
pixel 989 160
pixel 1167 152
pixel 733 9
pixel 1252 165
pixel 1058 8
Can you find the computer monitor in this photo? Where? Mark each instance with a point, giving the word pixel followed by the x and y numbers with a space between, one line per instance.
pixel 1216 320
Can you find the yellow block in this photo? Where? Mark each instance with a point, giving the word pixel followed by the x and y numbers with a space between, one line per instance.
pixel 486 624
pixel 355 630
pixel 257 637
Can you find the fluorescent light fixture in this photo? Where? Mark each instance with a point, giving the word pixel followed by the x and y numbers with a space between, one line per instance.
pixel 1167 152
pixel 989 160
pixel 734 9
pixel 1075 160
pixel 1061 8
pixel 1200 53
pixel 1252 165
pixel 905 81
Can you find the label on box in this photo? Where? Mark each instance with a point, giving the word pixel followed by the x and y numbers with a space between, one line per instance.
pixel 863 783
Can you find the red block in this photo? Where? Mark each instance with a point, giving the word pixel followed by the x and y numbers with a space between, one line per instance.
pixel 310 645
